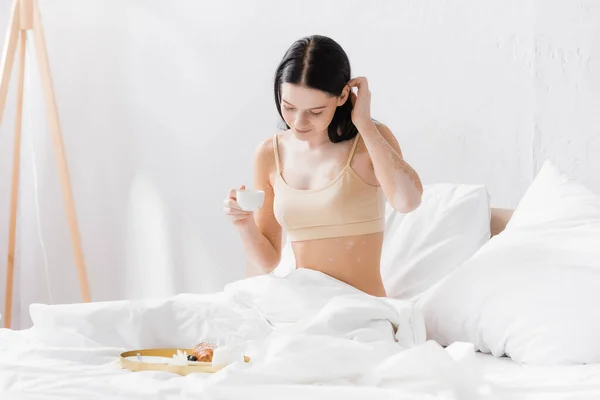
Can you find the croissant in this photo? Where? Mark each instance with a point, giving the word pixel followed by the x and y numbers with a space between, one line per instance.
pixel 204 351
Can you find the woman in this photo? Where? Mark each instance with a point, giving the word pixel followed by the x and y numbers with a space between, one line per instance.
pixel 327 177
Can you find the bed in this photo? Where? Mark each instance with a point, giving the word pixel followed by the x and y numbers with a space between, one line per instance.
pixel 73 351
pixel 81 373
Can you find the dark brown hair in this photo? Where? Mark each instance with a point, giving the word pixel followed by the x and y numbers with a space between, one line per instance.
pixel 320 63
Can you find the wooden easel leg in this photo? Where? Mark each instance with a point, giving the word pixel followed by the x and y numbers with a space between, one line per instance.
pixel 14 196
pixel 8 56
pixel 55 130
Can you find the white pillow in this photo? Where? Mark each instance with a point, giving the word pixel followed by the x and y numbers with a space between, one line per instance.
pixel 422 247
pixel 533 292
pixel 287 264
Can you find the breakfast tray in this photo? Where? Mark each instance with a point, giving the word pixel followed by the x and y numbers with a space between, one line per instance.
pixel 130 362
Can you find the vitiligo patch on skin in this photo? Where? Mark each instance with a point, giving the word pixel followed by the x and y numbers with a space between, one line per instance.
pixel 394 173
pixel 400 165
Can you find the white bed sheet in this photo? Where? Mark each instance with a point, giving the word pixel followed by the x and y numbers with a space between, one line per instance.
pixel 314 337
pixel 537 382
pixel 30 372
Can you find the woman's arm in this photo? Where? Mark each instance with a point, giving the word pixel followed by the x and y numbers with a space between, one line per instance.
pixel 259 230
pixel 400 182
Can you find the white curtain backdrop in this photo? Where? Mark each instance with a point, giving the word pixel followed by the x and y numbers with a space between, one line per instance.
pixel 162 103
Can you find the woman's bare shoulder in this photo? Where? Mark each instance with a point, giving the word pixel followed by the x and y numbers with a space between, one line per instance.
pixel 264 153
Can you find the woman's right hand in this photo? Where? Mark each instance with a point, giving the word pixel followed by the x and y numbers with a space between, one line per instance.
pixel 239 217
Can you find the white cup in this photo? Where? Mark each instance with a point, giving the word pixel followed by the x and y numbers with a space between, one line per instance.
pixel 249 199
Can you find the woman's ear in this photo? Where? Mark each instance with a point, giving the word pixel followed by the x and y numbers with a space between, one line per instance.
pixel 344 96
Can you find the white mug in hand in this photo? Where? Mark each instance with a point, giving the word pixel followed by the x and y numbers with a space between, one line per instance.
pixel 249 199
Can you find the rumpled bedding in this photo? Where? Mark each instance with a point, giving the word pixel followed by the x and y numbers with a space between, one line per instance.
pixel 305 333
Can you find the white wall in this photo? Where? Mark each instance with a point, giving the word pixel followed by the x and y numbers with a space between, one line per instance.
pixel 163 102
pixel 567 88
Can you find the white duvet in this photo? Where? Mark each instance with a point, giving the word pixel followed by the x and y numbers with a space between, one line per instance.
pixel 303 329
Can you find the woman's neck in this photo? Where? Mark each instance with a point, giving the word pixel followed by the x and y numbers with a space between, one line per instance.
pixel 317 142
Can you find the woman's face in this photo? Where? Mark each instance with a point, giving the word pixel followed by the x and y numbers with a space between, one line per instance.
pixel 308 112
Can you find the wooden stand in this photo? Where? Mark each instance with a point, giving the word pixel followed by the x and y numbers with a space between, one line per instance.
pixel 25 16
